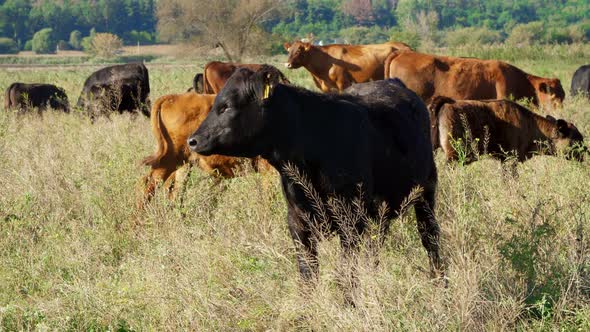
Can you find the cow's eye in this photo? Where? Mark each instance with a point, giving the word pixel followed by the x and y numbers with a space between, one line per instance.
pixel 223 110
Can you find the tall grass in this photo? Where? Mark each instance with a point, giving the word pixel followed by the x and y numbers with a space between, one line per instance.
pixel 76 254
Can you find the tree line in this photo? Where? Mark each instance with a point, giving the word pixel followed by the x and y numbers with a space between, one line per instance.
pixel 238 25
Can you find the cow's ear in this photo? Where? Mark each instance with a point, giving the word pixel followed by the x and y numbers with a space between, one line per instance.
pixel 562 128
pixel 287 46
pixel 550 118
pixel 307 47
pixel 268 86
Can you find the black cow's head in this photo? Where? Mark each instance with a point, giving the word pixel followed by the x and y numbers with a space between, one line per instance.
pixel 568 140
pixel 239 121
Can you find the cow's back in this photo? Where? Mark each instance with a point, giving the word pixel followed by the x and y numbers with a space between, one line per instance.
pixel 581 81
pixel 216 73
pixel 458 78
pixel 363 62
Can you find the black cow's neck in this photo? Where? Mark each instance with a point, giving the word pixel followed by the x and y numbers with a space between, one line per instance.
pixel 291 130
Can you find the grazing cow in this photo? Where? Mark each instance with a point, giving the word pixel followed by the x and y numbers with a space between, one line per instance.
pixel 216 73
pixel 23 96
pixel 470 78
pixel 379 141
pixel 499 127
pixel 581 81
pixel 336 67
pixel 120 88
pixel 174 118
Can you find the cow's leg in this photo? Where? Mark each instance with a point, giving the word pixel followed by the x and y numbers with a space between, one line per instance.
pixel 428 228
pixel 339 77
pixel 151 182
pixel 349 242
pixel 305 245
pixel 179 178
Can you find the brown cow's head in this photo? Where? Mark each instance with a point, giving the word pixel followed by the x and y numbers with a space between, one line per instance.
pixel 298 53
pixel 567 139
pixel 549 91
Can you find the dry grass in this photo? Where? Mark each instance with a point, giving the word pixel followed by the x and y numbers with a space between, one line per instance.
pixel 76 254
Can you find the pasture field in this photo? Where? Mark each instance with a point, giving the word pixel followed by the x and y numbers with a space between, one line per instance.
pixel 76 253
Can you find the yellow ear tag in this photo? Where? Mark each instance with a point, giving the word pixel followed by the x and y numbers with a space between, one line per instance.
pixel 266 92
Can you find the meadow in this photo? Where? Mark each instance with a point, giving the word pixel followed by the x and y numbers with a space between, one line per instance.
pixel 76 253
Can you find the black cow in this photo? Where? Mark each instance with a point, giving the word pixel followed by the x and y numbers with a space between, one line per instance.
pixel 581 81
pixel 120 88
pixel 23 96
pixel 379 140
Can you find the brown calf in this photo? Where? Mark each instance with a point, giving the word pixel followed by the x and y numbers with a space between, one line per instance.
pixel 500 126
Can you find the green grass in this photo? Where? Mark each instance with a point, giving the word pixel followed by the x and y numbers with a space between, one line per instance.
pixel 75 253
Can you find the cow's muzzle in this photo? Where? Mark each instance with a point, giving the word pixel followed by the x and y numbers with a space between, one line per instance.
pixel 288 65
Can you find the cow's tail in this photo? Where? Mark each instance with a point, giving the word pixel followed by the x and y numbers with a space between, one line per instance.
pixel 434 109
pixel 388 61
pixel 7 102
pixel 159 134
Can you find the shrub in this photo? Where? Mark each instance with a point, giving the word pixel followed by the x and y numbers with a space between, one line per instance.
pixel 364 35
pixel 106 45
pixel 8 46
pixel 576 33
pixel 87 41
pixel 28 45
pixel 76 39
pixel 526 34
pixel 44 42
pixel 142 37
pixel 558 35
pixel 409 37
pixel 472 35
pixel 63 45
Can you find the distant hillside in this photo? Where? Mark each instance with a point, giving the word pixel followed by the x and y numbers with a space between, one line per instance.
pixel 354 21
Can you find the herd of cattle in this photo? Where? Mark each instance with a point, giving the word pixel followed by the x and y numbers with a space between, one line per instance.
pixel 383 110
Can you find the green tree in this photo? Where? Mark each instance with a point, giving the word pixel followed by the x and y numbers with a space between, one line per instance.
pixel 44 42
pixel 75 40
pixel 15 14
pixel 8 46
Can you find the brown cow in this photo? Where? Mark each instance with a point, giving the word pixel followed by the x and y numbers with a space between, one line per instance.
pixel 470 78
pixel 216 73
pixel 498 127
pixel 174 119
pixel 336 67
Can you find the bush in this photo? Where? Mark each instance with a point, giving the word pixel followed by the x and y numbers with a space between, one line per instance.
pixel 558 35
pixel 142 37
pixel 364 35
pixel 76 39
pixel 472 35
pixel 576 33
pixel 526 34
pixel 28 45
pixel 44 42
pixel 63 45
pixel 87 41
pixel 411 38
pixel 8 46
pixel 106 45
